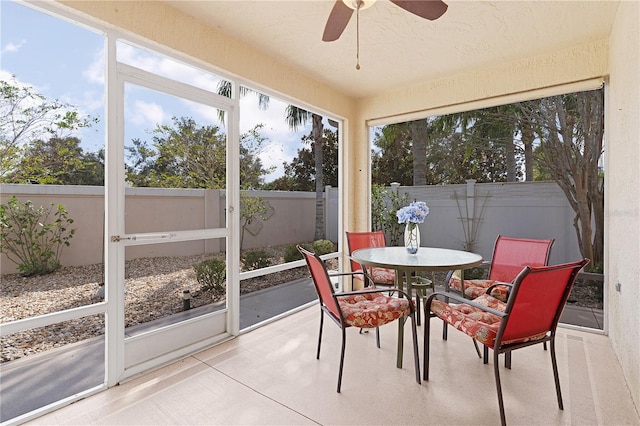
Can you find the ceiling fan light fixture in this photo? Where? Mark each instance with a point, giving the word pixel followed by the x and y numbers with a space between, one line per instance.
pixel 363 4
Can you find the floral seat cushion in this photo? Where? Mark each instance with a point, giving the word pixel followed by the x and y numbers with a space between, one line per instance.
pixel 476 288
pixel 372 310
pixel 382 276
pixel 480 325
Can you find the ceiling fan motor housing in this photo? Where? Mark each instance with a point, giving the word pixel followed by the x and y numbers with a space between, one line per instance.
pixel 359 4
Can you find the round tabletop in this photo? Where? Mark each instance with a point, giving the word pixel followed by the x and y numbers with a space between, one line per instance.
pixel 426 259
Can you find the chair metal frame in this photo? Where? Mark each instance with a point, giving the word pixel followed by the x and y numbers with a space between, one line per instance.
pixel 516 314
pixel 329 304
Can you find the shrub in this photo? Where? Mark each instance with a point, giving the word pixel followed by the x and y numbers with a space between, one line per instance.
pixel 255 259
pixel 321 247
pixel 291 253
pixel 384 205
pixel 211 274
pixel 33 238
pixel 476 273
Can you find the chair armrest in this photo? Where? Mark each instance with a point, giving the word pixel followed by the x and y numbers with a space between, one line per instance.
pixel 337 274
pixel 464 301
pixel 492 286
pixel 447 279
pixel 367 278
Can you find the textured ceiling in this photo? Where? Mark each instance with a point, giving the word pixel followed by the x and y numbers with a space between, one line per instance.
pixel 398 49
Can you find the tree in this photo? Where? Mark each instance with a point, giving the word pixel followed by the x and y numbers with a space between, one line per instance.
pixel 186 155
pixel 487 138
pixel 26 116
pixel 58 161
pixel 419 130
pixel 452 155
pixel 252 171
pixel 295 118
pixel 392 161
pixel 571 131
pixel 299 174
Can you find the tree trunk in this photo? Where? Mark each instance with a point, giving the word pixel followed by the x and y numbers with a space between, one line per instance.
pixel 419 136
pixel 317 135
pixel 571 131
pixel 527 140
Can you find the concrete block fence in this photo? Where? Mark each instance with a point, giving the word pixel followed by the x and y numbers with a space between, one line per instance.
pixel 467 216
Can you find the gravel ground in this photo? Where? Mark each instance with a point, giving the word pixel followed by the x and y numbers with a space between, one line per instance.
pixel 154 289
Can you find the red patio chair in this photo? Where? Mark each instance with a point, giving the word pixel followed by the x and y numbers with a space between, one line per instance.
pixel 530 316
pixel 510 255
pixel 367 308
pixel 382 276
pixel 379 276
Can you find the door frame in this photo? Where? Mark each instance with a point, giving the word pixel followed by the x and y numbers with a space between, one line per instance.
pixel 128 356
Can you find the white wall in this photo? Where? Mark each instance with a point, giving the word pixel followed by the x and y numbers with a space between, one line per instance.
pixel 622 209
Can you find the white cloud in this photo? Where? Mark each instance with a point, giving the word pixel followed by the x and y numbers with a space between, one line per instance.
pixel 93 101
pixel 146 114
pixel 281 148
pixel 12 47
pixel 203 113
pixel 94 73
pixel 5 75
pixel 282 142
pixel 165 67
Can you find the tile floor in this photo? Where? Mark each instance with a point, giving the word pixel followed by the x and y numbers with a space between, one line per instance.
pixel 270 376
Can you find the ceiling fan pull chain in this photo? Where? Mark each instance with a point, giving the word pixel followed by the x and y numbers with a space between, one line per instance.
pixel 358 36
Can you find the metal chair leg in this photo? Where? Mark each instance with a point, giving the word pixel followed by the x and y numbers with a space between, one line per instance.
pixel 507 359
pixel 426 343
pixel 344 344
pixel 418 308
pixel 475 344
pixel 378 337
pixel 416 356
pixel 320 333
pixel 496 370
pixel 554 365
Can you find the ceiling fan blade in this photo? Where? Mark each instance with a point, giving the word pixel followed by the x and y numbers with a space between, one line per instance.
pixel 428 9
pixel 337 22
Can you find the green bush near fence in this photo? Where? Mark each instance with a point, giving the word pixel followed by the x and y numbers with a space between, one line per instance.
pixel 33 238
pixel 292 254
pixel 211 275
pixel 255 259
pixel 321 247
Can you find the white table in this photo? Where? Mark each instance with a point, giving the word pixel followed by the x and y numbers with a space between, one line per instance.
pixel 426 259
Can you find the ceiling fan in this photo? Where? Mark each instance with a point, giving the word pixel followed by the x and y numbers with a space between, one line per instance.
pixel 343 9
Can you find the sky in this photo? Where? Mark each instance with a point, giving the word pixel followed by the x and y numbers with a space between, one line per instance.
pixel 64 61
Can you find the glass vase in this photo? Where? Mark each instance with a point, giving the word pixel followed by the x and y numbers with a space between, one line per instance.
pixel 412 237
